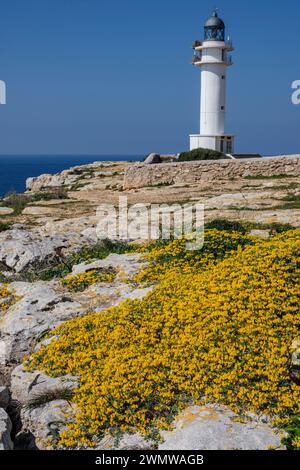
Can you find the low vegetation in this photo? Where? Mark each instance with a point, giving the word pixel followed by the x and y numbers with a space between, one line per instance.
pixel 201 154
pixel 7 297
pixel 5 226
pixel 272 177
pixel 18 202
pixel 245 226
pixel 63 267
pixel 81 281
pixel 218 327
pixel 291 201
pixel 59 393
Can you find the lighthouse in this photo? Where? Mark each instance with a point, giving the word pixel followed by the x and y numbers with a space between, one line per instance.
pixel 212 56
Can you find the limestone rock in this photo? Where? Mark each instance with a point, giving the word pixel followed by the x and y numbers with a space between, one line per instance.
pixel 296 353
pixel 260 233
pixel 46 422
pixel 51 181
pixel 215 427
pixel 26 386
pixel 20 248
pixel 39 310
pixel 5 430
pixel 127 264
pixel 240 200
pixel 103 297
pixel 6 210
pixel 296 361
pixel 291 217
pixel 127 442
pixel 41 210
pixel 153 159
pixel 142 176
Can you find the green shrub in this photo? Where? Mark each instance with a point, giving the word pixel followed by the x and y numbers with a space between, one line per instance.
pixel 18 202
pixel 272 177
pixel 5 226
pixel 3 279
pixel 293 430
pixel 226 225
pixel 201 154
pixel 246 227
pixel 63 267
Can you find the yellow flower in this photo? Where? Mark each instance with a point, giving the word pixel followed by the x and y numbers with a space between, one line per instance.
pixel 296 442
pixel 7 297
pixel 81 281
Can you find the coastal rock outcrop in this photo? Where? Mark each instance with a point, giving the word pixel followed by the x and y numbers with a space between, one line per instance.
pixel 62 228
pixel 51 181
pixel 141 176
pixel 20 248
pixel 39 310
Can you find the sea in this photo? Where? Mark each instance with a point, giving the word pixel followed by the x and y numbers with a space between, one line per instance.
pixel 15 169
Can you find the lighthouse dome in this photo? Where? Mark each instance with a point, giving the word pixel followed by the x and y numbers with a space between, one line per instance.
pixel 214 28
pixel 214 21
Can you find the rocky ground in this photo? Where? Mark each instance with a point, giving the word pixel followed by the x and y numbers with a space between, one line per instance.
pixel 54 219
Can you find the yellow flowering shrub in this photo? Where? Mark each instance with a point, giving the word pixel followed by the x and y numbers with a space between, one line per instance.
pixel 219 332
pixel 296 442
pixel 7 298
pixel 81 281
pixel 173 255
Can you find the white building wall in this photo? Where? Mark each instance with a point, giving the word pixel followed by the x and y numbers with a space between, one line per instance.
pixel 213 89
pixel 206 142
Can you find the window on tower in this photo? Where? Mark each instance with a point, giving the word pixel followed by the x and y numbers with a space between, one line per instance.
pixel 217 34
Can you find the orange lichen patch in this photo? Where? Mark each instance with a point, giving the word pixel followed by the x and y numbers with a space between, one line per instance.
pixel 189 415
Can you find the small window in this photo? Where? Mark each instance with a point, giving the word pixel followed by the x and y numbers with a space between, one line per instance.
pixel 229 146
pixel 223 77
pixel 222 108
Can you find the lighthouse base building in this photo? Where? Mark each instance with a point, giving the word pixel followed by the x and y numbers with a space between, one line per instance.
pixel 213 58
pixel 221 143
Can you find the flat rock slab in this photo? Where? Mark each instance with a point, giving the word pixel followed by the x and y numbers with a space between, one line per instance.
pixel 6 210
pixel 38 311
pixel 20 248
pixel 252 201
pixel 42 210
pixel 126 265
pixel 28 386
pixel 217 428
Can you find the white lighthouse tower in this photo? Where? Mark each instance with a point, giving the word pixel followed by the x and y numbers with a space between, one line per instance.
pixel 211 55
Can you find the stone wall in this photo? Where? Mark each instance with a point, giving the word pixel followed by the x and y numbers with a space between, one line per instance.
pixel 141 175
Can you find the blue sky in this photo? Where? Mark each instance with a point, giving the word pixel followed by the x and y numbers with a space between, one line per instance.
pixel 113 77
